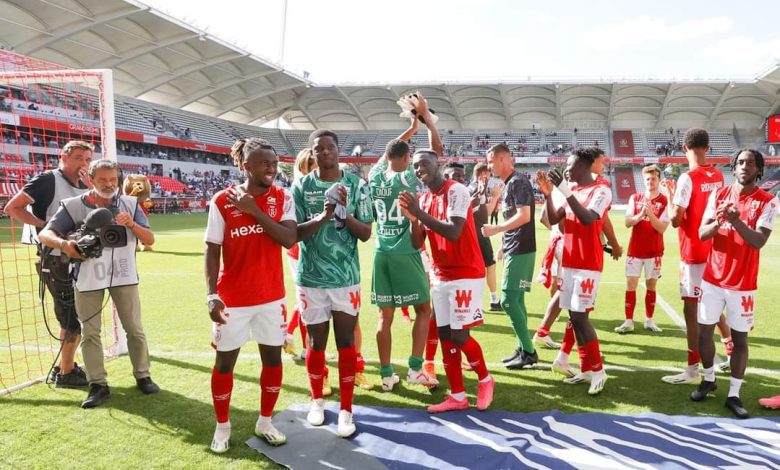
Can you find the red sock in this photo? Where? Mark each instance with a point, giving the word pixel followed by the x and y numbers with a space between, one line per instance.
pixel 568 338
pixel 432 342
pixel 630 304
pixel 304 332
pixel 583 353
pixel 360 365
pixel 594 355
pixel 473 352
pixel 347 360
pixel 452 367
pixel 542 331
pixel 270 386
pixel 315 364
pixel 294 321
pixel 649 303
pixel 693 357
pixel 221 388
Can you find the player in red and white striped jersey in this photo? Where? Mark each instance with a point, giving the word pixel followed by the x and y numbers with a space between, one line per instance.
pixel 688 200
pixel 738 219
pixel 648 219
pixel 583 257
pixel 247 227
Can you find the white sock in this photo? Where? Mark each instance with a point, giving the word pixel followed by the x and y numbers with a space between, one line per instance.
pixel 486 379
pixel 709 374
pixel 734 387
pixel 562 357
pixel 692 369
pixel 225 425
pixel 493 298
pixel 460 396
pixel 264 419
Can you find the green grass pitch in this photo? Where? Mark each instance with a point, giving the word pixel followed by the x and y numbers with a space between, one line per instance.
pixel 43 426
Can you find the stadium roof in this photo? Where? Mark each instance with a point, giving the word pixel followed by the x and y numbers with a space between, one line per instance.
pixel 163 60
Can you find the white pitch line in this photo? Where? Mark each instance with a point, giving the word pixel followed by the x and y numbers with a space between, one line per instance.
pixel 676 318
pixel 680 322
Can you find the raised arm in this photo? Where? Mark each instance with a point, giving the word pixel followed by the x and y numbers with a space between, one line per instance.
pixel 433 133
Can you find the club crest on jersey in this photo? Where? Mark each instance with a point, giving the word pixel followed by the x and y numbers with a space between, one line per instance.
pixel 753 209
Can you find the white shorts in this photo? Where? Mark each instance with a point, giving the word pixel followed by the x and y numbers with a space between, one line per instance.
pixel 690 280
pixel 266 324
pixel 578 289
pixel 651 267
pixel 316 305
pixel 458 303
pixel 739 305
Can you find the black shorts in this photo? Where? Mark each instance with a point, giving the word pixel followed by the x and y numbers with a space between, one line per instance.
pixel 60 285
pixel 486 248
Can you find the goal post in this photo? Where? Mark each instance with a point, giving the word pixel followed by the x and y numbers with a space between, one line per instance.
pixel 42 106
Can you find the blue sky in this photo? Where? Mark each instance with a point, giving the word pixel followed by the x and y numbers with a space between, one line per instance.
pixel 363 41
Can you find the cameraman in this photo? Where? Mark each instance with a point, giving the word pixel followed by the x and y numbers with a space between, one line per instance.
pixel 113 269
pixel 34 205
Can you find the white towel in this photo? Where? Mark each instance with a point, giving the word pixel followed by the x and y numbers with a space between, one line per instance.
pixel 341 211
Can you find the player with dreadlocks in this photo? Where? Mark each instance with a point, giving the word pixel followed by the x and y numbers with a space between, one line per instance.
pixel 739 219
pixel 247 227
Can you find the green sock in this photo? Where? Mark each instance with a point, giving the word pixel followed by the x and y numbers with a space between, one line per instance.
pixel 386 371
pixel 513 303
pixel 415 362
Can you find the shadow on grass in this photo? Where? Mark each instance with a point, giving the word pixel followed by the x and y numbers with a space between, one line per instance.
pixel 173 416
pixel 208 369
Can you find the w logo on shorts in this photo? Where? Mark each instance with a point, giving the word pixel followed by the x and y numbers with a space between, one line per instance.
pixel 354 298
pixel 587 286
pixel 463 298
pixel 747 303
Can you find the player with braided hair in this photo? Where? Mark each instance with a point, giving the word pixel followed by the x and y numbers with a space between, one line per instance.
pixel 247 227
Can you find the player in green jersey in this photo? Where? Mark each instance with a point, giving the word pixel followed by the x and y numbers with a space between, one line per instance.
pixel 399 278
pixel 334 211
